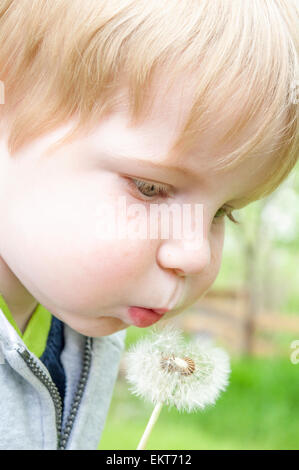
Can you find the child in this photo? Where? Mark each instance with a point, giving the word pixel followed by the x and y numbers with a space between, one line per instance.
pixel 179 101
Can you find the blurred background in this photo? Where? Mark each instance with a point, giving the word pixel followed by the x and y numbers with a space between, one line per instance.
pixel 252 311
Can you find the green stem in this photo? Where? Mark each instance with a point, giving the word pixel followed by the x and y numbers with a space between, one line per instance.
pixel 150 425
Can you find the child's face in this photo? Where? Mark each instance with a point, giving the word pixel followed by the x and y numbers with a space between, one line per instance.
pixel 49 218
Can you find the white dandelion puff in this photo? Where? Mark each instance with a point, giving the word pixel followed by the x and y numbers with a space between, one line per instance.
pixel 166 370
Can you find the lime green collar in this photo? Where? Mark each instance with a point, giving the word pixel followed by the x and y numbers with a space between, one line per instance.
pixel 37 330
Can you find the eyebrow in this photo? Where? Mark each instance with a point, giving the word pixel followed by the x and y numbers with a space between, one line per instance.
pixel 157 165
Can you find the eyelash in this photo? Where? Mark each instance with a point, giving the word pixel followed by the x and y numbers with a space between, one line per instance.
pixel 229 214
pixel 163 192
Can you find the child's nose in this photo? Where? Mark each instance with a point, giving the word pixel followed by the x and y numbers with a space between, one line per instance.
pixel 185 260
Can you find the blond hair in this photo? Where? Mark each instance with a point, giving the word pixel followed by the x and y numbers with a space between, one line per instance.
pixel 60 59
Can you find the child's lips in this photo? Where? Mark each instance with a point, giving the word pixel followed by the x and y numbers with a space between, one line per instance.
pixel 143 317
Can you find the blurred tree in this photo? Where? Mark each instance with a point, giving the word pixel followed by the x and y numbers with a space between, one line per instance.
pixel 265 225
pixel 251 231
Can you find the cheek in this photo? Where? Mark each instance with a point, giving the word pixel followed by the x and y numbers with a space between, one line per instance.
pixel 217 242
pixel 60 257
pixel 207 277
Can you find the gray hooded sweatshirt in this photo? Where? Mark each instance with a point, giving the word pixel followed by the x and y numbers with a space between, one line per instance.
pixel 30 404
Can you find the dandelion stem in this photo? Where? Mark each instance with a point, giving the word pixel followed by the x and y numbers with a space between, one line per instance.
pixel 150 425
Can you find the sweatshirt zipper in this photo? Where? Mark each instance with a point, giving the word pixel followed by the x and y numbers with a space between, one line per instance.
pixel 78 395
pixel 62 435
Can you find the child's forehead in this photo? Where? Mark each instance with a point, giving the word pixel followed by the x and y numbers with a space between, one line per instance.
pixel 168 104
pixel 168 107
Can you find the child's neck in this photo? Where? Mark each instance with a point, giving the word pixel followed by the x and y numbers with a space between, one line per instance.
pixel 19 301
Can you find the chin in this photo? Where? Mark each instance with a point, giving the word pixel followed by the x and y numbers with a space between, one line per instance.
pixel 103 326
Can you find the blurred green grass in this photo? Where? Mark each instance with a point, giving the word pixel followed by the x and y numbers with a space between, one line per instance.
pixel 259 410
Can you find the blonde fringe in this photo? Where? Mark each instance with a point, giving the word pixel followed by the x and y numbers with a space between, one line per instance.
pixel 63 59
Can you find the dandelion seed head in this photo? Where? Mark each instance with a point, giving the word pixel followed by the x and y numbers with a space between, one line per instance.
pixel 164 368
pixel 184 366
